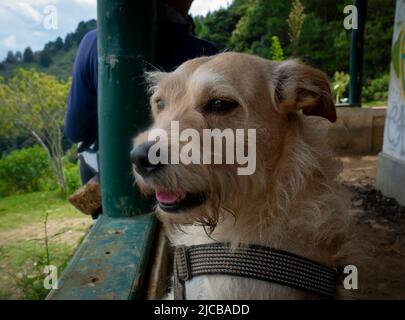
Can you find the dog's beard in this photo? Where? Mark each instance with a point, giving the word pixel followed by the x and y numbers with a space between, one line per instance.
pixel 219 185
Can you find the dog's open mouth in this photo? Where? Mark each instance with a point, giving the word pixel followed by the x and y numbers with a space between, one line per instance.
pixel 174 202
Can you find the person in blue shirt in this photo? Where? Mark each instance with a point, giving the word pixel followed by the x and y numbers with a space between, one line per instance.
pixel 175 45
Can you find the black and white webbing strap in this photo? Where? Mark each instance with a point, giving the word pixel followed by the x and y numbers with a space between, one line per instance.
pixel 253 261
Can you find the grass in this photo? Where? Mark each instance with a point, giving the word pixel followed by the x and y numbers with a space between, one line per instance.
pixel 23 257
pixel 22 209
pixel 22 268
pixel 374 104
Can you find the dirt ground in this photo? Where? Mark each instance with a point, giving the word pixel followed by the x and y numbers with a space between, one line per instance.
pixel 66 230
pixel 380 222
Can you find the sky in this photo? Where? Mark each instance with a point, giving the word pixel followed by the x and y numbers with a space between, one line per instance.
pixel 35 22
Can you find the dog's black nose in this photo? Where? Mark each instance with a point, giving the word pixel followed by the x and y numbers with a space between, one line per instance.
pixel 139 157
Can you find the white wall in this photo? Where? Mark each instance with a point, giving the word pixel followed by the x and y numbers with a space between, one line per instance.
pixel 394 134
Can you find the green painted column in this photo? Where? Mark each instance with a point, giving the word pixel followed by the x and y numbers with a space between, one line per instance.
pixel 125 46
pixel 356 55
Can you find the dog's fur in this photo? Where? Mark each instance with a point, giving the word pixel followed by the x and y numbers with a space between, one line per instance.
pixel 292 202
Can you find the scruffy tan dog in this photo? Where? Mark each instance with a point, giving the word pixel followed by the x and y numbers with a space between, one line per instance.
pixel 291 202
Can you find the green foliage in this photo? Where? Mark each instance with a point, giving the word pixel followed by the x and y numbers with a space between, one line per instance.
pixel 377 89
pixel 378 39
pixel 217 26
pixel 18 56
pixel 71 155
pixel 24 170
pixel 322 41
pixel 262 20
pixel 31 281
pixel 11 57
pixel 18 210
pixel 24 267
pixel 35 103
pixel 56 58
pixel 277 52
pixel 58 44
pixel 268 48
pixel 24 255
pixel 340 82
pixel 72 178
pixel 45 58
pixel 295 20
pixel 28 56
pixel 34 100
pixel 69 41
pixel 82 28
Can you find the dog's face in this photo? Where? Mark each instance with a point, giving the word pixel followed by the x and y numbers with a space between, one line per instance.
pixel 232 91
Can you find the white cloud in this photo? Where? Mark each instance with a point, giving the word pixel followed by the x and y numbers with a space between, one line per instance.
pixel 86 2
pixel 40 3
pixel 29 12
pixel 9 42
pixel 23 19
pixel 23 10
pixel 39 34
pixel 202 7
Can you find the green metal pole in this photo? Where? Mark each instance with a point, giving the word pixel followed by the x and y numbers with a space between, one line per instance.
pixel 125 44
pixel 356 55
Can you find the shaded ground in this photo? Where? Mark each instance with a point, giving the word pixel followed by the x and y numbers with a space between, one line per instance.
pixel 65 230
pixel 380 221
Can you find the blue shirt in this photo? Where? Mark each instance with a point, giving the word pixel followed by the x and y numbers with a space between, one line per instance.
pixel 175 46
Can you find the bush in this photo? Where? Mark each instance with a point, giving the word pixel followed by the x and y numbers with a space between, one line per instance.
pixel 71 155
pixel 72 178
pixel 24 170
pixel 377 89
pixel 340 82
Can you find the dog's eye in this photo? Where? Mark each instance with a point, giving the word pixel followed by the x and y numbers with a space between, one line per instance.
pixel 220 106
pixel 160 105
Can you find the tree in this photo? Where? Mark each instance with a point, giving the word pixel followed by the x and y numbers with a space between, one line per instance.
pixel 69 41
pixel 295 21
pixel 45 58
pixel 35 102
pixel 217 26
pixel 11 57
pixel 84 27
pixel 316 36
pixel 28 55
pixel 58 45
pixel 18 56
pixel 252 26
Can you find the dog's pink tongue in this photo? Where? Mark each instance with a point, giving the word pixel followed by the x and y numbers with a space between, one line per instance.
pixel 167 197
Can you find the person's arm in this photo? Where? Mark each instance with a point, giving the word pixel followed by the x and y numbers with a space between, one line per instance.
pixel 81 114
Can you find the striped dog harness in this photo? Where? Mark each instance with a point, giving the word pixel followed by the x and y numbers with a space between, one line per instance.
pixel 253 261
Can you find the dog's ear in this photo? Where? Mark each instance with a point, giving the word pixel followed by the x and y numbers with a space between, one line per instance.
pixel 301 87
pixel 153 78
